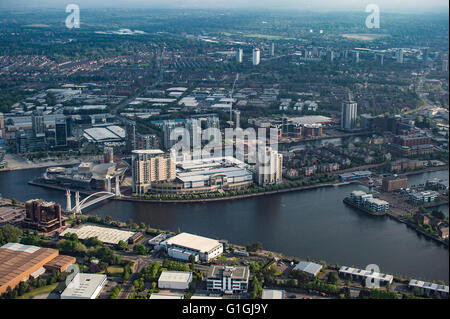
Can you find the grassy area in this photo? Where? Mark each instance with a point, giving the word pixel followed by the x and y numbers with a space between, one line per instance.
pixel 115 270
pixel 38 291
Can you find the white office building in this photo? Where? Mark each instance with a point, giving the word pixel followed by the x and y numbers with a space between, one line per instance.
pixel 227 279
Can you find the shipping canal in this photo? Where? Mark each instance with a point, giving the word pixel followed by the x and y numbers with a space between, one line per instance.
pixel 313 223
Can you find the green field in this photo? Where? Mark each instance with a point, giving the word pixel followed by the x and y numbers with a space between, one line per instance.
pixel 38 291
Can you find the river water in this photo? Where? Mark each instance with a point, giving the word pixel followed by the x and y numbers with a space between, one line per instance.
pixel 314 223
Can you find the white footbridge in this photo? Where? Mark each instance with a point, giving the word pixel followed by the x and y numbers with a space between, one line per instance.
pixel 93 198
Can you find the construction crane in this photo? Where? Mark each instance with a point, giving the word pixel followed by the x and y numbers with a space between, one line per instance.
pixel 231 98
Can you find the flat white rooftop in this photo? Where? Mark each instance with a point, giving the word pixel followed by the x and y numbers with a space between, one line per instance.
pixel 273 294
pixel 105 234
pixel 152 152
pixel 21 247
pixel 205 297
pixel 84 286
pixel 166 296
pixel 175 276
pixel 193 242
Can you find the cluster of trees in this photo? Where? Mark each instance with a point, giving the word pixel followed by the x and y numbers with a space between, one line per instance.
pixel 9 233
pixel 256 287
pixel 238 192
pixel 92 247
pixel 115 292
pixel 254 247
pixel 32 283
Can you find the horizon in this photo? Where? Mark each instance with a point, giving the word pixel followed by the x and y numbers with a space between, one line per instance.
pixel 318 6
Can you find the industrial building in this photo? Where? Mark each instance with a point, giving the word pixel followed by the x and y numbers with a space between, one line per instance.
pixel 205 297
pixel 227 279
pixel 19 262
pixel 273 294
pixel 106 235
pixel 183 245
pixel 166 296
pixel 312 269
pixel 84 286
pixel 360 274
pixel 174 280
pixel 102 135
pixel 11 215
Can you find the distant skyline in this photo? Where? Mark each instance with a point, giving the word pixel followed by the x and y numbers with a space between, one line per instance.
pixel 399 6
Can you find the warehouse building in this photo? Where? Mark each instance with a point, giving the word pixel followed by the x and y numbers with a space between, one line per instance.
pixel 310 268
pixel 101 135
pixel 106 235
pixel 273 294
pixel 84 286
pixel 175 280
pixel 228 279
pixel 166 296
pixel 183 245
pixel 205 297
pixel 19 262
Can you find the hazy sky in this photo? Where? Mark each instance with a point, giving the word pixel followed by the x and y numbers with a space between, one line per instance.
pixel 310 5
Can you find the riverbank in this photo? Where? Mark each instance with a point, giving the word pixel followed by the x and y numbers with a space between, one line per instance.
pixel 425 170
pixel 272 256
pixel 409 224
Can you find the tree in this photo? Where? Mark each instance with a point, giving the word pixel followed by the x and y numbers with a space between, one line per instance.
pixel 122 245
pixel 140 249
pixel 9 233
pixel 333 278
pixel 256 288
pixel 92 242
pixel 255 247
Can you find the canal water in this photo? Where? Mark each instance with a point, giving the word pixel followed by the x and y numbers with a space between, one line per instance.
pixel 314 223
